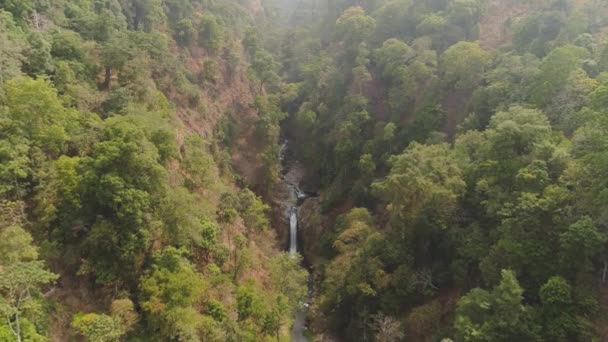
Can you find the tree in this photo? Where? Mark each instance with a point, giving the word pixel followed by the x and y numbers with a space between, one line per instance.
pixel 354 26
pixel 432 24
pixel 210 33
pixel 68 45
pixel 554 72
pixel 35 126
pixel 16 245
pixel 143 15
pixel 185 33
pixel 509 146
pixel 11 52
pixel 98 328
pixel 198 163
pixel 535 31
pixel 395 19
pixel 586 174
pixel 528 238
pixel 251 42
pixel 463 64
pixel 178 10
pixel 38 57
pixel 289 278
pixel 253 210
pixel 498 315
pixel 104 328
pixel 116 52
pixel 581 242
pixel 356 277
pixel 247 302
pixel 392 57
pixel 185 222
pixel 122 182
pixel 43 118
pixel 169 290
pixel 559 321
pixel 388 329
pixel 466 14
pixel 571 97
pixel 429 175
pixel 22 277
pixel 263 67
pixel 19 8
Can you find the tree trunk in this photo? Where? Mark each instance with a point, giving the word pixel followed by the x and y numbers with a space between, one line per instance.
pixel 107 83
pixel 36 20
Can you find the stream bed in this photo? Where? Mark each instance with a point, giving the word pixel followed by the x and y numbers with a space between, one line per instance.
pixel 291 175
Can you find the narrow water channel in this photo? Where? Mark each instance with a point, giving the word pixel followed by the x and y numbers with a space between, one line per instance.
pixel 291 176
pixel 293 232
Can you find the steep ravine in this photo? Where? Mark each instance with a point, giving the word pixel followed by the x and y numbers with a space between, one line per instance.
pixel 287 200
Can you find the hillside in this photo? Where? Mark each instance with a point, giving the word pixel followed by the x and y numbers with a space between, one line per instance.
pixel 131 135
pixel 323 170
pixel 458 149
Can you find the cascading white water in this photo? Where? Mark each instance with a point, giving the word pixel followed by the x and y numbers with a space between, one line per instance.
pixel 291 174
pixel 293 232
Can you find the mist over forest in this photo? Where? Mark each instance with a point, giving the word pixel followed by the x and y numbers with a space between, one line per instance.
pixel 303 170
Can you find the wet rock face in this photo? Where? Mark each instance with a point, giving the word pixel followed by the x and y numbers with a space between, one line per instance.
pixel 280 213
pixel 310 228
pixel 284 197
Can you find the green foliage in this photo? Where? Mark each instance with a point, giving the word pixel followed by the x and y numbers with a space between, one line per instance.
pixel 121 178
pixel 581 242
pixel 251 42
pixel 253 210
pixel 22 277
pixel 210 33
pixel 498 315
pixel 168 292
pixel 185 33
pixel 97 328
pixel 395 19
pixel 431 24
pixel 35 126
pixel 198 164
pixel 67 45
pixel 535 31
pixel 11 57
pixel 16 245
pixel 374 109
pixel 263 67
pixel 246 302
pixel 430 176
pixel 463 64
pixel 392 56
pixel 216 310
pixel 555 70
pixel 289 279
pixel 91 146
pixel 354 26
pixel 357 274
pixel 185 222
pixel 42 118
pixel 39 60
pixel 559 321
pixel 465 14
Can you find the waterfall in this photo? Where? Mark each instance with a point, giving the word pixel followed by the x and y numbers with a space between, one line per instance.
pixel 291 175
pixel 293 232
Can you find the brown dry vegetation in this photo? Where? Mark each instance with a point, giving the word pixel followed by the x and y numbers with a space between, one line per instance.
pixel 494 30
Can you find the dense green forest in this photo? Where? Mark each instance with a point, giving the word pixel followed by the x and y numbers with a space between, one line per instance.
pixel 461 152
pixel 121 214
pixel 457 151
